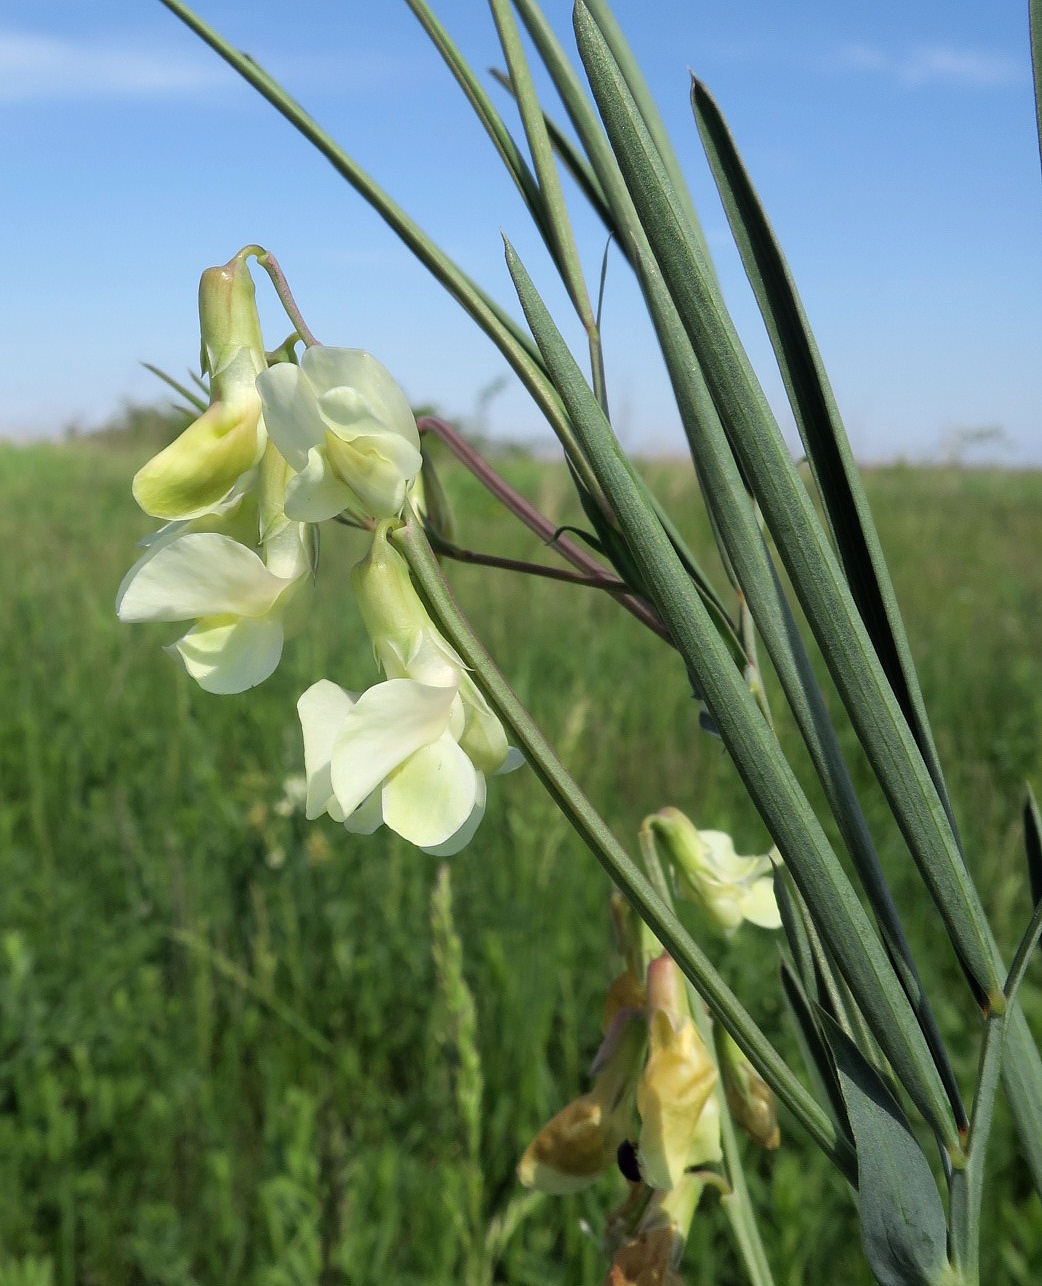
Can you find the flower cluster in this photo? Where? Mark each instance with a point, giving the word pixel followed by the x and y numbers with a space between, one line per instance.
pixel 282 447
pixel 655 1070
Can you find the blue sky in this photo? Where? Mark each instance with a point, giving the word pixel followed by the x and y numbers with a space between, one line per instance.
pixel 893 144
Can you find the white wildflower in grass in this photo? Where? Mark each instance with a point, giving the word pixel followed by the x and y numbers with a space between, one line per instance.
pixel 216 455
pixel 411 752
pixel 347 429
pixel 243 604
pixel 680 1121
pixel 728 887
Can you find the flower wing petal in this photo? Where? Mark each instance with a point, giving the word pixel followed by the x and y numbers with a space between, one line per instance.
pixel 316 493
pixel 322 709
pixel 231 656
pixel 291 412
pixel 387 724
pixel 432 795
pixel 200 574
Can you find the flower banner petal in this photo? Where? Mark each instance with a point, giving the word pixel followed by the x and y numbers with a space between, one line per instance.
pixel 230 656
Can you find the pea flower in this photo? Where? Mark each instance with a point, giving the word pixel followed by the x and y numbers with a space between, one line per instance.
pixel 581 1142
pixel 411 752
pixel 346 428
pixel 680 1124
pixel 216 455
pixel 709 872
pixel 243 604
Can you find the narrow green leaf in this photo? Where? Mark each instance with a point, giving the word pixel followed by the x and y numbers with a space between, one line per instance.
pixel 571 158
pixel 560 227
pixel 745 551
pixel 1035 8
pixel 1022 955
pixel 812 1045
pixel 1033 846
pixel 821 428
pixel 646 105
pixel 902 1219
pixel 1022 1081
pixel 753 747
pixel 791 518
pixel 516 165
pixel 497 324
pixel 795 933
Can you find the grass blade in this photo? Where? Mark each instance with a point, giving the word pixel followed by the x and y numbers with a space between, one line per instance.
pixel 821 428
pixel 764 770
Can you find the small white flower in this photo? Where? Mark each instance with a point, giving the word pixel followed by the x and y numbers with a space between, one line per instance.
pixel 217 455
pixel 413 751
pixel 729 888
pixel 346 428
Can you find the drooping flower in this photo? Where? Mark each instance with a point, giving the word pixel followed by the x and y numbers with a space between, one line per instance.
pixel 245 599
pixel 347 429
pixel 411 752
pixel 214 458
pixel 581 1142
pixel 680 1124
pixel 709 872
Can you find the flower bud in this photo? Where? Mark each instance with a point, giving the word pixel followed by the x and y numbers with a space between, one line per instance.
pixel 217 452
pixel 406 642
pixel 749 1097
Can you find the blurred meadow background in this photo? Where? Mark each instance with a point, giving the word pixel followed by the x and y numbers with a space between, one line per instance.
pixel 232 1047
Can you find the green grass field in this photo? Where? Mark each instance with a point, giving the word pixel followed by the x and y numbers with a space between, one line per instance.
pixel 226 1055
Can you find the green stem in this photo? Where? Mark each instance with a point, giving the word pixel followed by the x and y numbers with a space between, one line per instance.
pixel 590 826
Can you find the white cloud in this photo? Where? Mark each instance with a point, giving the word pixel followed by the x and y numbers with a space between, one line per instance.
pixel 37 68
pixel 936 64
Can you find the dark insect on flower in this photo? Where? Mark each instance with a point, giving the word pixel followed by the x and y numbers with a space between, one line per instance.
pixel 627 1159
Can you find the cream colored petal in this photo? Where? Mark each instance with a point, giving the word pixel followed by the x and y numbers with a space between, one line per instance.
pixel 467 831
pixel 195 473
pixel 368 816
pixel 388 723
pixel 352 387
pixel 317 493
pixel 431 796
pixel 200 574
pixel 760 906
pixel 291 412
pixel 322 710
pixel 231 656
pixel 377 469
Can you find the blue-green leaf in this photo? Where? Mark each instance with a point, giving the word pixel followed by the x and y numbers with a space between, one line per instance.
pixel 902 1219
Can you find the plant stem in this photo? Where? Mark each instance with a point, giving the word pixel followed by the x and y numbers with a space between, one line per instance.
pixel 532 518
pixel 590 826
